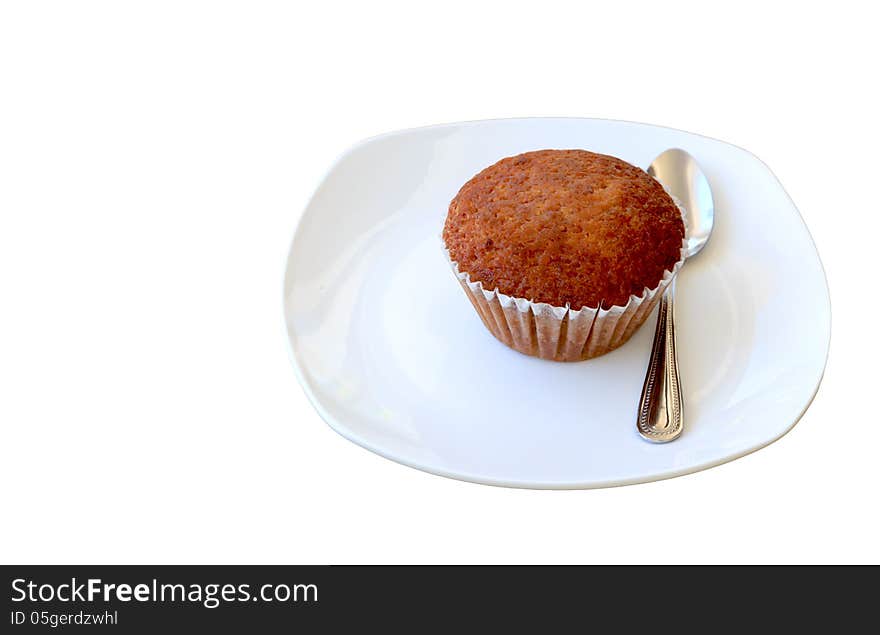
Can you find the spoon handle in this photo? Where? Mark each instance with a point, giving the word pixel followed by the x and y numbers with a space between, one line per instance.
pixel 660 409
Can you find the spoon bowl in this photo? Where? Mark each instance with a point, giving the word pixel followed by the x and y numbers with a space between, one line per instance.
pixel 682 176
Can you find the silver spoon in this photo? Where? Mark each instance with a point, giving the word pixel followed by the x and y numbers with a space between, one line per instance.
pixel 660 418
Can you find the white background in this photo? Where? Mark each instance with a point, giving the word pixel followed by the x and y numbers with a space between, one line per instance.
pixel 154 158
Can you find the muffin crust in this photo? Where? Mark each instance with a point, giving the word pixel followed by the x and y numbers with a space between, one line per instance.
pixel 565 227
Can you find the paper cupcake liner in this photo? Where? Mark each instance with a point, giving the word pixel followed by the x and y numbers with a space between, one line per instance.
pixel 559 332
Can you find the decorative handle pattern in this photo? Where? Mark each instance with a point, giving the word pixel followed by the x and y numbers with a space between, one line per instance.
pixel 660 409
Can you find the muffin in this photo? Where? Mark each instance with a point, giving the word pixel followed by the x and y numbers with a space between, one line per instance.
pixel 563 253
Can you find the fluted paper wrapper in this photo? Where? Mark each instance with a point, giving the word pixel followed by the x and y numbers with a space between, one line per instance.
pixel 559 332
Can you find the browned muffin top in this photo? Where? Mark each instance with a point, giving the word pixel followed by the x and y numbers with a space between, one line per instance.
pixel 564 227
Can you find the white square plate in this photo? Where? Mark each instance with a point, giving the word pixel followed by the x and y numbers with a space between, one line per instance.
pixel 394 357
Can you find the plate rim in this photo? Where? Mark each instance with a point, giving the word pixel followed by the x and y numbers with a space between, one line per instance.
pixel 340 428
